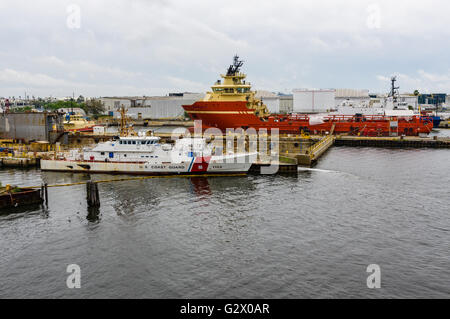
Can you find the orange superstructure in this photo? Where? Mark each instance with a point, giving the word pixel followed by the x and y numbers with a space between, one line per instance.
pixel 232 104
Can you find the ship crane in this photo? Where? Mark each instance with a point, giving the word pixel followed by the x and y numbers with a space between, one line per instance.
pixel 125 128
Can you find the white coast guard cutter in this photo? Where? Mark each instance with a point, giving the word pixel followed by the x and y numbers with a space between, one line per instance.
pixel 146 155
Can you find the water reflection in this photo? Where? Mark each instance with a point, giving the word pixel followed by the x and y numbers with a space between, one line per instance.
pixel 246 237
pixel 93 215
pixel 200 186
pixel 33 209
pixel 64 178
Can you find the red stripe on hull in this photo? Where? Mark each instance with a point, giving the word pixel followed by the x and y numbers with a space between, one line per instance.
pixel 200 164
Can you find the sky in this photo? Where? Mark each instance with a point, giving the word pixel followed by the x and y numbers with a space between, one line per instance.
pixel 137 47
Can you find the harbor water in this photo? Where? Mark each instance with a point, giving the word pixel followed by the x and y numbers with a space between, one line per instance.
pixel 313 235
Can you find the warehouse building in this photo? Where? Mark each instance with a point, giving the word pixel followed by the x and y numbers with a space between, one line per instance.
pixel 313 100
pixel 154 107
pixel 279 104
pixel 436 99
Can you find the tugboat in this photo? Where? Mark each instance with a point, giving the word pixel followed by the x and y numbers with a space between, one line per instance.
pixel 141 154
pixel 232 104
pixel 78 123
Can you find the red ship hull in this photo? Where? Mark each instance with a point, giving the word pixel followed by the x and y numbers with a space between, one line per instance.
pixel 235 114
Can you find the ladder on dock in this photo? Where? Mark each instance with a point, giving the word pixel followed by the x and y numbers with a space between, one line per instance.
pixel 316 151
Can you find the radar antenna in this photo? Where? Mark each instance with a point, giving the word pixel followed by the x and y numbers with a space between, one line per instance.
pixel 234 68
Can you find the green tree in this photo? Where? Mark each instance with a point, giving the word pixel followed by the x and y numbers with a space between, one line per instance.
pixel 80 99
pixel 62 104
pixel 416 93
pixel 23 109
pixel 94 107
pixel 39 103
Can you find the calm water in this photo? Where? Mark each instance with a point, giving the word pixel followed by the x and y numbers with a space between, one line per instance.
pixel 281 237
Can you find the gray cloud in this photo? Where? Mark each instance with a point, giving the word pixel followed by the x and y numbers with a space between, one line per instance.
pixel 154 47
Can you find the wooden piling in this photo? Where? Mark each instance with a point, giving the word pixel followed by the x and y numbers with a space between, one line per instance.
pixel 46 193
pixel 92 194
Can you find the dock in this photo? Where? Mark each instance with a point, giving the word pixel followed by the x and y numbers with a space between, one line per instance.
pixel 393 142
pixel 19 162
pixel 316 150
pixel 445 124
pixel 291 150
pixel 280 167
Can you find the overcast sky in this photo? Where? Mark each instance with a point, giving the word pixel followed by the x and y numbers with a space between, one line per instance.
pixel 137 47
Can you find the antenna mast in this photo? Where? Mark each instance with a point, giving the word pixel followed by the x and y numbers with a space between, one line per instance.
pixel 235 67
pixel 394 89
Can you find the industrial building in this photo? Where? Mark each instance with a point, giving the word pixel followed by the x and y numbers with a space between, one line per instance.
pixel 313 100
pixel 355 96
pixel 32 126
pixel 73 110
pixel 279 104
pixel 436 99
pixel 154 107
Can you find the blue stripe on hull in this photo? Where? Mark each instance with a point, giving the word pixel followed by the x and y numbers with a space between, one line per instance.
pixel 190 165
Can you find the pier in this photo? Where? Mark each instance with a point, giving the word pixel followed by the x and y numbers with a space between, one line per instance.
pixel 394 142
pixel 316 150
pixel 283 168
pixel 19 162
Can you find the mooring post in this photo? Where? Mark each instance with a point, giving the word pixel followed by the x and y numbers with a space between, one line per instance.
pixel 46 193
pixel 92 194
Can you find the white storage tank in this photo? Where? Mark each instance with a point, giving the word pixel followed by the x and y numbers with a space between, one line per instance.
pixel 313 100
pixel 272 103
